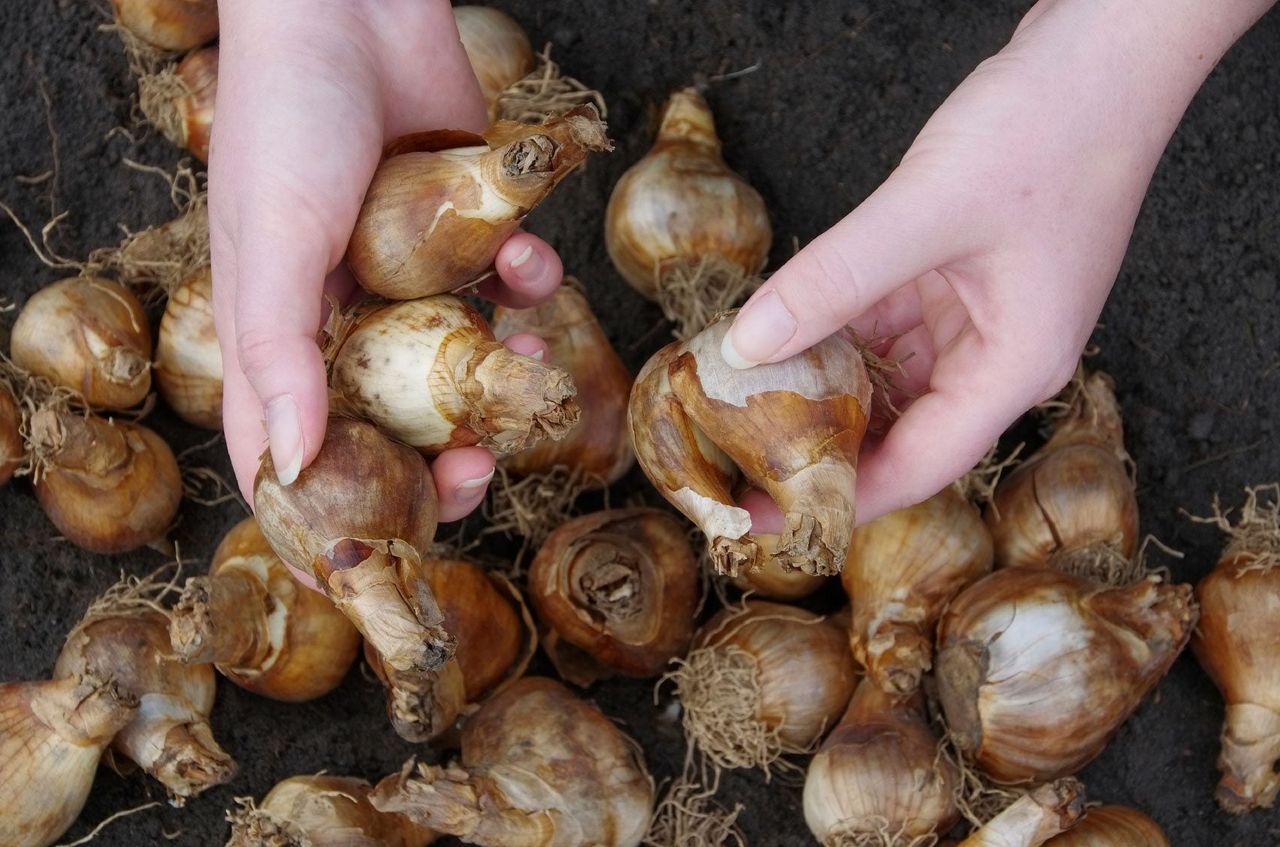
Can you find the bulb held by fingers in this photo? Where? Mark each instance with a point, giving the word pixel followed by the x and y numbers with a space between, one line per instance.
pixel 791 429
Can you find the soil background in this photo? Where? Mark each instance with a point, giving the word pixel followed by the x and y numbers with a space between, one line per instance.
pixel 1191 333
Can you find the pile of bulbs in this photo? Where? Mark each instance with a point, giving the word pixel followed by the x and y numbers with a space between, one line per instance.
pixel 982 652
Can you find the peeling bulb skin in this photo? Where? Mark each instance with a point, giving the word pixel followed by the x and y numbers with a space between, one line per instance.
pixel 356 519
pixel 54 733
pixel 169 735
pixel 495 638
pixel 89 334
pixel 188 369
pixel 497 48
pixel 1022 638
pixel 321 811
pixel 599 446
pixel 617 592
pixel 441 204
pixel 430 373
pixel 169 24
pixel 903 569
pixel 539 767
pixel 879 770
pixel 1238 644
pixel 1112 826
pixel 109 487
pixel 263 630
pixel 1047 811
pixel 682 203
pixel 791 429
pixel 1074 494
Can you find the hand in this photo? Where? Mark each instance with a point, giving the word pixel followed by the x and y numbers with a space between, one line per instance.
pixel 988 254
pixel 308 93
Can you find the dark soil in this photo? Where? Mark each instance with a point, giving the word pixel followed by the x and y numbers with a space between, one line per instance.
pixel 1192 332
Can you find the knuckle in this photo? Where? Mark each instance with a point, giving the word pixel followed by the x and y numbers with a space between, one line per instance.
pixel 257 351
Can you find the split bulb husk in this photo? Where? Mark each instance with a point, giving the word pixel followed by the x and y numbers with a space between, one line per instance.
pixel 1074 495
pixel 761 681
pixel 108 486
pixel 178 100
pixel 877 779
pixel 1112 826
pixel 125 637
pixel 52 734
pixel 497 48
pixel 1034 819
pixel 356 520
pixel 442 203
pixel 495 637
pixel 599 446
pixel 12 451
pixel 617 592
pixel 1037 669
pixel 791 429
pixel 321 811
pixel 259 626
pixel 169 24
pixel 903 569
pixel 1238 644
pixel 539 767
pixel 681 205
pixel 188 365
pixel 89 334
pixel 429 373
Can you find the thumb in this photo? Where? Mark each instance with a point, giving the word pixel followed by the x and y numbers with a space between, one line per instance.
pixel 898 233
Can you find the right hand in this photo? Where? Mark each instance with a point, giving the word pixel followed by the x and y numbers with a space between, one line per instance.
pixel 309 91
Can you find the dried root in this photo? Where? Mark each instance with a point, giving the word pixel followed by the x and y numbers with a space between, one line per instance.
pixel 978 486
pixel 882 836
pixel 546 91
pixel 533 507
pixel 137 594
pixel 158 91
pixel 977 797
pixel 693 293
pixel 689 816
pixel 1105 564
pixel 1254 538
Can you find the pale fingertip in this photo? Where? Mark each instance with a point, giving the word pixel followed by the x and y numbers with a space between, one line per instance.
pixel 462 477
pixel 766 517
pixel 761 329
pixel 527 345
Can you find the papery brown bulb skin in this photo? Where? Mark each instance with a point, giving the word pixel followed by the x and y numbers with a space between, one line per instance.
pixel 188 368
pixel 539 767
pixel 618 591
pixel 109 487
pixel 12 450
pixel 903 568
pixel 681 202
pixel 199 74
pixel 800 663
pixel 1112 826
pixel 430 373
pixel 169 736
pixel 1238 644
pixel 263 630
pixel 772 581
pixel 791 429
pixel 495 640
pixel 356 519
pixel 169 24
pixel 1037 669
pixel 442 203
pixel 599 446
pixel 322 811
pixel 497 48
pixel 52 734
pixel 879 769
pixel 88 334
pixel 1035 818
pixel 1073 493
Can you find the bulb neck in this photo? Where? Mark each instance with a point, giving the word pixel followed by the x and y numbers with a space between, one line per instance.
pixel 222 619
pixel 1250 749
pixel 687 119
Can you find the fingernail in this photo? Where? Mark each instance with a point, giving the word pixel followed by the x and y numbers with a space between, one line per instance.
pixel 528 266
pixel 759 331
pixel 284 436
pixel 469 489
pixel 538 354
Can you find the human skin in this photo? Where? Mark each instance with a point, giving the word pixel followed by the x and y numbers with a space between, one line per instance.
pixel 309 91
pixel 987 255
